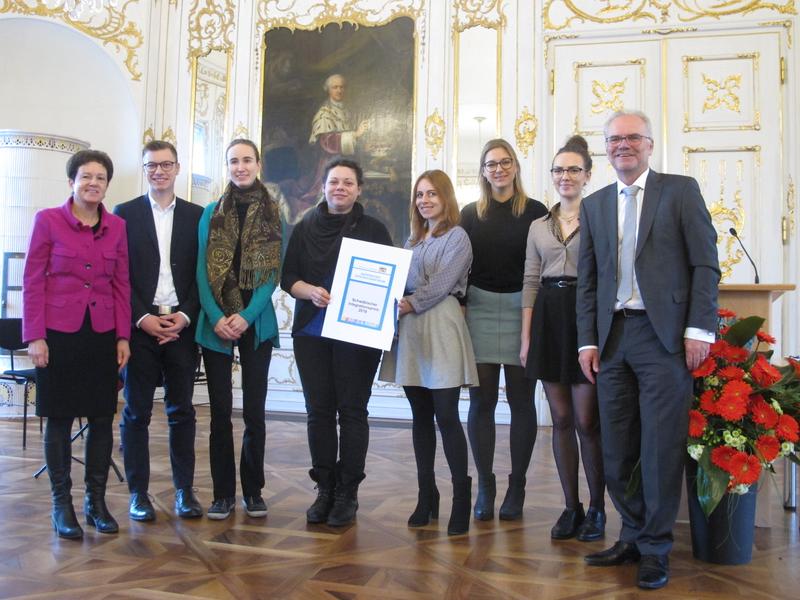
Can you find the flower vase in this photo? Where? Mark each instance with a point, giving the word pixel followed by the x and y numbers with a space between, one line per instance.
pixel 726 536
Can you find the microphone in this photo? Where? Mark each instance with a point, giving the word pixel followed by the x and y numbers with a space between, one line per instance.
pixel 732 231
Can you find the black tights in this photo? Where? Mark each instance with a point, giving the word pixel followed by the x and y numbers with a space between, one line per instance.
pixel 443 404
pixel 574 408
pixel 482 404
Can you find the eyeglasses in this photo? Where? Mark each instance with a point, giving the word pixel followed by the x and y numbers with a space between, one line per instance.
pixel 633 139
pixel 571 171
pixel 166 166
pixel 492 165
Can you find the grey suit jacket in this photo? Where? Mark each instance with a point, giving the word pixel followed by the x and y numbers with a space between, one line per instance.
pixel 145 259
pixel 676 264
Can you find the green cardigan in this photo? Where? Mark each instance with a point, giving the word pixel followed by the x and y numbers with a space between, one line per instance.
pixel 259 311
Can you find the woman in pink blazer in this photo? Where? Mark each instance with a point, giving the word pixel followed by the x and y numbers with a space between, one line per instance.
pixel 76 321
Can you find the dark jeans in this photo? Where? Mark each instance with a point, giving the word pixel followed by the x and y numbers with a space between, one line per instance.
pixel 337 381
pixel 255 370
pixel 174 363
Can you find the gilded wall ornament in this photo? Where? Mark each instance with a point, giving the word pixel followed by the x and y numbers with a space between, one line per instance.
pixel 722 94
pixel 241 131
pixel 110 26
pixel 211 24
pixel 562 14
pixel 168 135
pixel 478 13
pixel 315 14
pixel 525 128
pixel 10 138
pixel 434 133
pixel 789 219
pixel 608 96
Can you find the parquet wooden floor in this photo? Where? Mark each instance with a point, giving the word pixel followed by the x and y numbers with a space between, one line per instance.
pixel 378 558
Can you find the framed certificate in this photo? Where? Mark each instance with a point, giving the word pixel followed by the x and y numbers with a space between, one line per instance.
pixel 369 280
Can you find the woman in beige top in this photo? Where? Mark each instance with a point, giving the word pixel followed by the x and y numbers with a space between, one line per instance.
pixel 549 348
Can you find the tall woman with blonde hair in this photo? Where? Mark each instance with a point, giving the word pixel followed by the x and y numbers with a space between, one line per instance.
pixel 433 357
pixel 497 225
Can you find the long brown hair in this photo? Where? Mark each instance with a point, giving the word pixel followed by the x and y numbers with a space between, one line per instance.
pixel 519 200
pixel 444 188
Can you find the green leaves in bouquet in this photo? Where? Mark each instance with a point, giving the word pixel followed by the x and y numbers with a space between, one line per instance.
pixel 712 483
pixel 743 330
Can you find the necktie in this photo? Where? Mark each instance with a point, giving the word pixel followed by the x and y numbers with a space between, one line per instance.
pixel 628 249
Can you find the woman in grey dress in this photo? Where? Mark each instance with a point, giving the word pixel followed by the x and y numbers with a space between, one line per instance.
pixel 433 357
pixel 550 341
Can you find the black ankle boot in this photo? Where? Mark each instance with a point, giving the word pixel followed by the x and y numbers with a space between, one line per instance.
pixel 427 504
pixel 511 509
pixel 98 461
pixel 318 512
pixel 462 501
pixel 484 505
pixel 345 505
pixel 58 456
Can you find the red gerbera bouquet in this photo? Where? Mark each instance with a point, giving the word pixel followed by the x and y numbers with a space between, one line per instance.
pixel 745 411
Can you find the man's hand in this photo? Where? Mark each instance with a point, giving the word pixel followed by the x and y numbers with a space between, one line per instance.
pixel 696 352
pixel 589 360
pixel 161 328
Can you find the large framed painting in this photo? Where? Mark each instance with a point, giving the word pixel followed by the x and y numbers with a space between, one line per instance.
pixel 341 90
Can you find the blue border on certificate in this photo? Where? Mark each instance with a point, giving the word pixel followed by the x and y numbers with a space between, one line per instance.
pixel 388 287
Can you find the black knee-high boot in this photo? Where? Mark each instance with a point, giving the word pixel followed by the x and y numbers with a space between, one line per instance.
pixel 58 456
pixel 99 442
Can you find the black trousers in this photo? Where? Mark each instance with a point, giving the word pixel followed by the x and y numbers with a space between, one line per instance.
pixel 255 370
pixel 643 393
pixel 174 363
pixel 337 381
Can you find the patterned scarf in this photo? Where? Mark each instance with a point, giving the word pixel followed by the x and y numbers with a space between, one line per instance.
pixel 260 241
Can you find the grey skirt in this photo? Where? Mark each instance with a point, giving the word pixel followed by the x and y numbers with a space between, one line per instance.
pixel 495 322
pixel 433 350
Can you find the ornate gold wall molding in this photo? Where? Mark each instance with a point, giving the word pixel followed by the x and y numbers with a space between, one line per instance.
pixel 722 94
pixel 110 26
pixel 434 133
pixel 211 24
pixel 40 141
pixel 168 135
pixel 315 14
pixel 478 13
pixel 787 222
pixel 786 24
pixel 241 131
pixel 561 14
pixel 525 128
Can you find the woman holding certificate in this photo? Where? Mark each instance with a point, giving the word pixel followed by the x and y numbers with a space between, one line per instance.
pixel 497 225
pixel 549 341
pixel 336 376
pixel 239 251
pixel 433 357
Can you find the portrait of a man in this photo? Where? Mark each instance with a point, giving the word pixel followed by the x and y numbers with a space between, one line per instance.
pixel 341 91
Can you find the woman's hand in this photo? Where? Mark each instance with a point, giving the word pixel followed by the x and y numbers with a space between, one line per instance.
pixel 319 296
pixel 524 346
pixel 39 353
pixel 224 330
pixel 237 324
pixel 123 353
pixel 404 307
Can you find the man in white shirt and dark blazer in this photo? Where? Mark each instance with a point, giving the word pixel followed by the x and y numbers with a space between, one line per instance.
pixel 162 249
pixel 643 325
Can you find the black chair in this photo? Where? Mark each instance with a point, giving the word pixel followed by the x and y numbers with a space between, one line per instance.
pixel 11 341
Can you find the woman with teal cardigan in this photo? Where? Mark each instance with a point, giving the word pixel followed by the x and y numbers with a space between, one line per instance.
pixel 238 267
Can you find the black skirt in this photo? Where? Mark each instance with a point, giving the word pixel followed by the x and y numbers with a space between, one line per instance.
pixel 81 378
pixel 553 352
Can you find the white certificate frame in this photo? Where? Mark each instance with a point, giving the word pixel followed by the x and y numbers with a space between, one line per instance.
pixel 369 280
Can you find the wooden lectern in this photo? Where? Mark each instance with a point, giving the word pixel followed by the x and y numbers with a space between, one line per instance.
pixel 749 299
